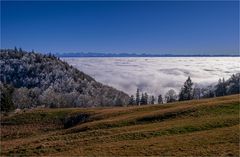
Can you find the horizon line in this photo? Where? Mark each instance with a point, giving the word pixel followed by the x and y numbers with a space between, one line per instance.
pixel 100 54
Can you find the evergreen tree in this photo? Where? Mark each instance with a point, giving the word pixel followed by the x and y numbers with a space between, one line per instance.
pixel 233 84
pixel 145 98
pixel 6 98
pixel 142 101
pixel 15 49
pixel 152 99
pixel 220 88
pixel 186 92
pixel 224 87
pixel 137 97
pixel 20 50
pixel 131 100
pixel 160 99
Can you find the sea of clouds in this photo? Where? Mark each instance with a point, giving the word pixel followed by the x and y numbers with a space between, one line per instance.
pixel 156 75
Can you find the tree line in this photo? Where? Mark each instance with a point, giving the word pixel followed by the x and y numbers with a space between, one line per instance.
pixel 190 91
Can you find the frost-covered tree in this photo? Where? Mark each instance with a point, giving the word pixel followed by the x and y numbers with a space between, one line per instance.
pixel 207 92
pixel 145 98
pixel 20 50
pixel 160 99
pixel 171 96
pixel 131 100
pixel 152 100
pixel 21 98
pixel 196 92
pixel 44 72
pixel 142 100
pixel 15 49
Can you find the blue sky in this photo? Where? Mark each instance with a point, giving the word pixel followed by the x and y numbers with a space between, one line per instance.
pixel 175 27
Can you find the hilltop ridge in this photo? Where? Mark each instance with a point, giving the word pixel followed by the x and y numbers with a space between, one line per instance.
pixel 47 80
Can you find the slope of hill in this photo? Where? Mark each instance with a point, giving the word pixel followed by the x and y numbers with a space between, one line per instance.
pixel 45 79
pixel 207 127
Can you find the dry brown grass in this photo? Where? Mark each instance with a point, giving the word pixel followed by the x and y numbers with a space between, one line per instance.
pixel 208 127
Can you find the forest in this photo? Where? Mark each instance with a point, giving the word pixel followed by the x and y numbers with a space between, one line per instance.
pixel 29 80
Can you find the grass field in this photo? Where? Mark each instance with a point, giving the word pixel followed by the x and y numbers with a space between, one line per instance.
pixel 207 127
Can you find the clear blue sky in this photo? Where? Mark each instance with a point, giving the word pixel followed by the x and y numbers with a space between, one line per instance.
pixel 182 27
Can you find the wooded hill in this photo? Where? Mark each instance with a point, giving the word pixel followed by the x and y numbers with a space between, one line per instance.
pixel 30 79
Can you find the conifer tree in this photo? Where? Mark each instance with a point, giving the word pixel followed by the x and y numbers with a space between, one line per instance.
pixel 15 49
pixel 6 98
pixel 233 86
pixel 145 98
pixel 142 101
pixel 138 97
pixel 220 88
pixel 131 100
pixel 186 92
pixel 196 93
pixel 20 50
pixel 160 99
pixel 152 99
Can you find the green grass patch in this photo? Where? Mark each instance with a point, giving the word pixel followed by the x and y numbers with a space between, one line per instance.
pixel 220 123
pixel 219 110
pixel 228 109
pixel 56 116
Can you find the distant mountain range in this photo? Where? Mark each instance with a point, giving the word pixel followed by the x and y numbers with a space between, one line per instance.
pixel 133 55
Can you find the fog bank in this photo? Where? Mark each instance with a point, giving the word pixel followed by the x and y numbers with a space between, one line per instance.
pixel 158 74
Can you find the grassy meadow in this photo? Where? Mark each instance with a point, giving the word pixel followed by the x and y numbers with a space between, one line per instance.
pixel 207 127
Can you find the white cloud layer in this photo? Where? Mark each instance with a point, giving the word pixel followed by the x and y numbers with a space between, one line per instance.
pixel 156 75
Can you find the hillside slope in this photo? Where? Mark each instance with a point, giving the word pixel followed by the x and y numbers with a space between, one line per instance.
pixel 207 127
pixel 47 80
